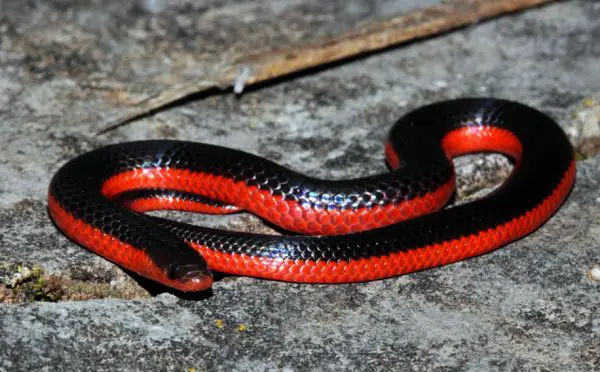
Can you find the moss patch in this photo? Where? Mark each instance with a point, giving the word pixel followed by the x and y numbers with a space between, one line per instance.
pixel 23 284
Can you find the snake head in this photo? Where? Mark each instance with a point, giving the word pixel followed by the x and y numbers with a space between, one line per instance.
pixel 190 277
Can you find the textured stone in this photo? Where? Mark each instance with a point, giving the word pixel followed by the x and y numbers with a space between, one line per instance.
pixel 531 305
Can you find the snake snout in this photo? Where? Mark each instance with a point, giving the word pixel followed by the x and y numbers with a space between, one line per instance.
pixel 191 277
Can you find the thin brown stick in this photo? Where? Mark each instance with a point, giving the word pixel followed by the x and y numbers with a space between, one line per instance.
pixel 366 38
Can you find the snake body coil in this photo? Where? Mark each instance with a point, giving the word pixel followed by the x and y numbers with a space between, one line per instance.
pixel 367 228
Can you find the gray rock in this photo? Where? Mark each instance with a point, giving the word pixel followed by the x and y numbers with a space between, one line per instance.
pixel 531 305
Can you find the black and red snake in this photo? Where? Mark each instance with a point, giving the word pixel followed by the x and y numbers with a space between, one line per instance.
pixel 362 229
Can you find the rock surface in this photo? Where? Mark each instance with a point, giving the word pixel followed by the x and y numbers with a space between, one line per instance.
pixel 532 305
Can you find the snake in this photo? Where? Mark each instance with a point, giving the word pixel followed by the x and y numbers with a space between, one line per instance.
pixel 334 230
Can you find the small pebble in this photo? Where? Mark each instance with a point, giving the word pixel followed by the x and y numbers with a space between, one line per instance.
pixel 441 84
pixel 595 273
pixel 152 6
pixel 243 75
